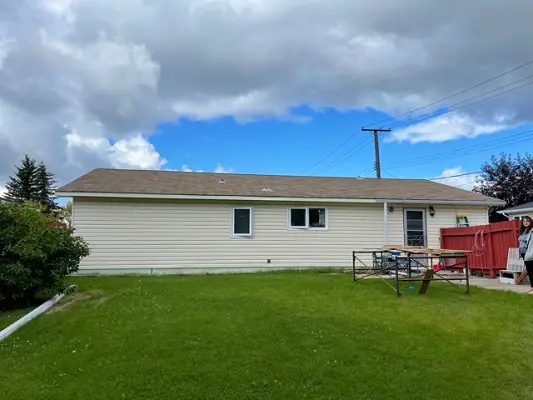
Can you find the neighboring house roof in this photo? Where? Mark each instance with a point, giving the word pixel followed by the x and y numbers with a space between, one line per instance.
pixel 165 184
pixel 527 207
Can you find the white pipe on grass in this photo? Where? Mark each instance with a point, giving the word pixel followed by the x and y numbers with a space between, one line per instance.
pixel 32 314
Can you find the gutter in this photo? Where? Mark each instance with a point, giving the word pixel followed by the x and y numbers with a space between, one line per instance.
pixel 275 199
pixel 506 212
pixel 207 197
pixel 34 313
pixel 444 202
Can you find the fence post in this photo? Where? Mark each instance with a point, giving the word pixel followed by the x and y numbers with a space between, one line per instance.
pixel 491 252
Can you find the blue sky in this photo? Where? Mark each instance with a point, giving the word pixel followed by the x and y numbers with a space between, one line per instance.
pixel 284 147
pixel 250 86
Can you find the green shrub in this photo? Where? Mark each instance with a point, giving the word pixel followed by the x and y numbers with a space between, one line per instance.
pixel 36 253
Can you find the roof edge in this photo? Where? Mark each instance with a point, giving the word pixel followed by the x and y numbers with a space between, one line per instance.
pixel 275 199
pixel 517 211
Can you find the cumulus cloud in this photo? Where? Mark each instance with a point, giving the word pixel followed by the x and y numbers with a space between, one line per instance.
pixel 111 70
pixel 186 168
pixel 455 177
pixel 448 127
pixel 220 170
pixel 130 152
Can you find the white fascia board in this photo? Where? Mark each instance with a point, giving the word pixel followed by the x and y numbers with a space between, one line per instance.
pixel 521 211
pixel 443 202
pixel 271 199
pixel 200 197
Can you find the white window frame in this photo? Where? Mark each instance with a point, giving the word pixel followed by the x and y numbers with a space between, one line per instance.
pixel 424 220
pixel 232 221
pixel 306 227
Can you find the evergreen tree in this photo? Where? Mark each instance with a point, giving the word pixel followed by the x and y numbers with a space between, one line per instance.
pixel 45 193
pixel 23 186
pixel 32 182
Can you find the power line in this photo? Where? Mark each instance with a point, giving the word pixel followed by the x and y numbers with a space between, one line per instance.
pixel 455 176
pixel 349 154
pixel 391 175
pixel 508 138
pixel 519 137
pixel 454 94
pixel 329 154
pixel 346 156
pixel 439 177
pixel 450 109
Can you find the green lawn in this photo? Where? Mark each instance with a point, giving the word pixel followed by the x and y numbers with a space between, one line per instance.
pixel 8 317
pixel 272 336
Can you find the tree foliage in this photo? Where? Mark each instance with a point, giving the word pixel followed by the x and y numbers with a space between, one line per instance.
pixel 45 191
pixel 32 182
pixel 36 254
pixel 507 178
pixel 65 213
pixel 23 186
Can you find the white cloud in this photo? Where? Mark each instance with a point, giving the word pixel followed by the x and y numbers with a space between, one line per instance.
pixel 450 177
pixel 3 191
pixel 220 169
pixel 132 152
pixel 110 70
pixel 6 46
pixel 447 127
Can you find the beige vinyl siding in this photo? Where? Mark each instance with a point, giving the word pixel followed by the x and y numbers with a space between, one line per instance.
pixel 445 216
pixel 181 235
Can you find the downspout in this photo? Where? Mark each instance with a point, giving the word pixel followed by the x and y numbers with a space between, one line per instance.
pixel 34 313
pixel 386 223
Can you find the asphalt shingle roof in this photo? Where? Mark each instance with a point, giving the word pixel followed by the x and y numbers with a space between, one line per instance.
pixel 122 181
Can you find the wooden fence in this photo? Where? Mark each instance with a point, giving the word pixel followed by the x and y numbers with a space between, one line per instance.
pixel 489 244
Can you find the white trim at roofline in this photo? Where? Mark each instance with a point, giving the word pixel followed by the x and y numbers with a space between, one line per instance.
pixel 444 202
pixel 522 210
pixel 273 199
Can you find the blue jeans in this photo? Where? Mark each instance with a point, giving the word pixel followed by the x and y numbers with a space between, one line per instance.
pixel 529 269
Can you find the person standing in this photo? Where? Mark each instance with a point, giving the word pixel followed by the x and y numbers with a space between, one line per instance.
pixel 525 246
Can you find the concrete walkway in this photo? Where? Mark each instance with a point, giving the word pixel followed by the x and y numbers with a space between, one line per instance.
pixel 487 283
pixel 495 284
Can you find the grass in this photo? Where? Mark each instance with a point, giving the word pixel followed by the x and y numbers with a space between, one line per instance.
pixel 272 336
pixel 8 317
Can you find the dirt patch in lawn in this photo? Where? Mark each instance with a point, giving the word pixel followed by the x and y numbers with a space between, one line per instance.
pixel 71 299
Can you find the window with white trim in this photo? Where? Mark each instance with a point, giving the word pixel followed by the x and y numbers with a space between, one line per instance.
pixel 308 218
pixel 242 221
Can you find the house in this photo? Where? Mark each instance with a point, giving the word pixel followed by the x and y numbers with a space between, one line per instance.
pixel 188 222
pixel 518 212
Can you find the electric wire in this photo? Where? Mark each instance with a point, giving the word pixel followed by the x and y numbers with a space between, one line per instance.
pixel 454 94
pixel 455 107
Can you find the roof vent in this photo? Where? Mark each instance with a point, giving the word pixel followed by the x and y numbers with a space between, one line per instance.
pixel 266 189
pixel 222 181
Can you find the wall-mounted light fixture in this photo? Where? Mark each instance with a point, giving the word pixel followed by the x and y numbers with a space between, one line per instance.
pixel 391 209
pixel 431 211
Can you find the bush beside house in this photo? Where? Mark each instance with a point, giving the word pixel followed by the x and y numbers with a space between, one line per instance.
pixel 36 253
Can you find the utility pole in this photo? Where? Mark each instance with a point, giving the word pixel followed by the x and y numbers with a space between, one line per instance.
pixel 376 147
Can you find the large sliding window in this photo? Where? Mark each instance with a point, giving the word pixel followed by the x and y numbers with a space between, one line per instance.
pixel 308 218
